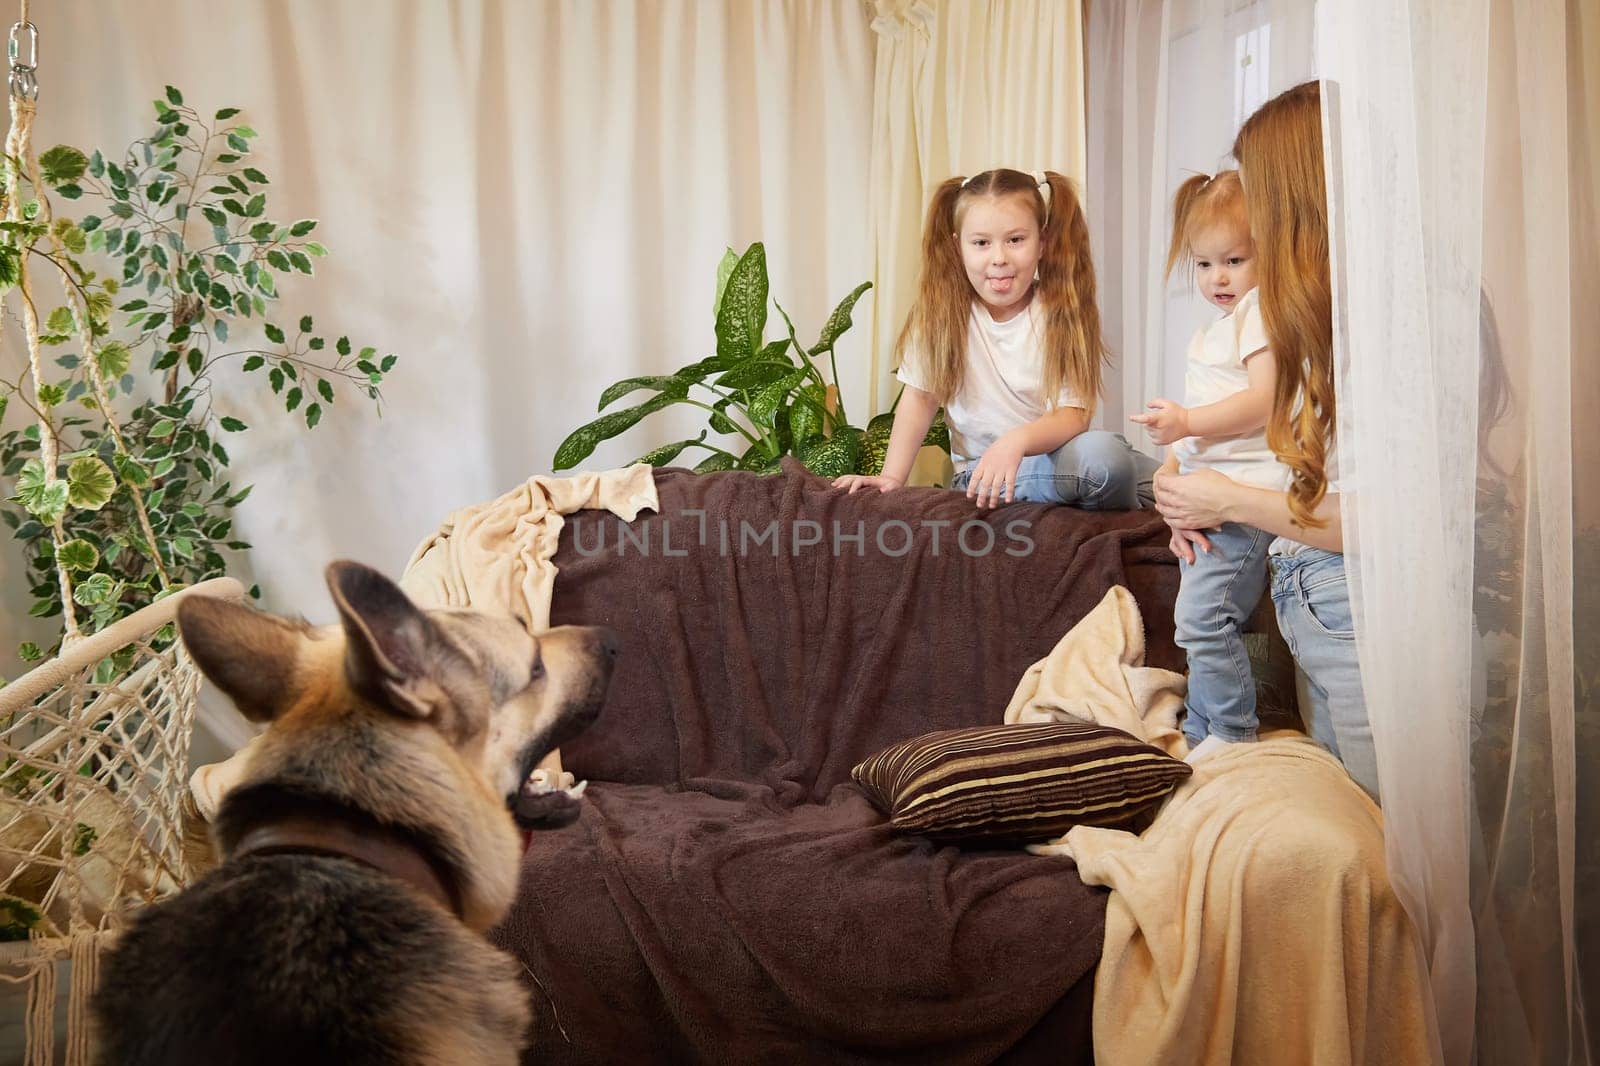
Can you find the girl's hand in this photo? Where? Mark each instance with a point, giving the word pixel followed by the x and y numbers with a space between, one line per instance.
pixel 1167 421
pixel 1200 500
pixel 1185 541
pixel 994 477
pixel 852 482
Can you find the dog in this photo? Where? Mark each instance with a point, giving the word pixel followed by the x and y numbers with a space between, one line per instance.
pixel 371 842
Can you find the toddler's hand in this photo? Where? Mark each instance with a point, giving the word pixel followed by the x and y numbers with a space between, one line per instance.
pixel 1167 421
pixel 1184 542
pixel 851 482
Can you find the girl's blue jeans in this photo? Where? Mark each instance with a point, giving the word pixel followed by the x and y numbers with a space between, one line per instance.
pixel 1313 603
pixel 1219 590
pixel 1096 470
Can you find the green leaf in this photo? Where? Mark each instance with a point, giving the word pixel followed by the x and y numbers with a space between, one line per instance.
pixel 10 266
pixel 343 346
pixel 742 315
pixel 315 250
pixel 325 389
pixel 664 455
pixel 303 227
pixel 256 176
pixel 90 483
pixel 581 442
pixel 95 590
pixel 275 378
pixel 805 416
pixel 232 425
pixel 254 362
pixel 113 358
pixel 51 395
pixel 215 217
pixel 29 652
pixel 257 204
pixel 716 461
pixel 62 164
pixel 274 334
pixel 226 113
pixel 657 382
pixel 69 191
pixel 292 400
pixel 730 259
pixel 71 237
pixel 305 323
pixel 78 555
pixel 238 144
pixel 130 470
pixel 196 359
pixel 164 428
pixel 174 97
pixel 938 435
pixel 388 363
pixel 301 262
pixel 313 415
pixel 839 321
pixel 756 372
pixel 766 403
pixel 832 456
pixel 44 501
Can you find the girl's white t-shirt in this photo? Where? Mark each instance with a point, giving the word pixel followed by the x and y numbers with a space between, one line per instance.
pixel 1002 385
pixel 1216 371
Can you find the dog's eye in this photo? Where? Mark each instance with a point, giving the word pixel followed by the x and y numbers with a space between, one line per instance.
pixel 538 670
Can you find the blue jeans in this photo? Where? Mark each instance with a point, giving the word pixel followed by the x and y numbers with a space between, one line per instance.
pixel 1096 470
pixel 1220 589
pixel 1313 603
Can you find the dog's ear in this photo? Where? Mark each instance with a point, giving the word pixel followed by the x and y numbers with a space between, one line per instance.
pixel 391 646
pixel 249 654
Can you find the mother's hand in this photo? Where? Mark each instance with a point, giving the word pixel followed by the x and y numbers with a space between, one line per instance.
pixel 1200 500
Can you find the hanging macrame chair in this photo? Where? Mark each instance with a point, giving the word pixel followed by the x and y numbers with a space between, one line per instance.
pixel 94 761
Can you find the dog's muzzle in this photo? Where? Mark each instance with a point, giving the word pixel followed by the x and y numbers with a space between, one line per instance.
pixel 547 800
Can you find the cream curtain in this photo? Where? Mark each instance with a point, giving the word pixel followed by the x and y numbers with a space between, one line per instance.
pixel 961 86
pixel 524 201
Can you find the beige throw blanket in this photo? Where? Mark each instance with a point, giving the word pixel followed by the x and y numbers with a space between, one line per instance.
pixel 1253 922
pixel 495 556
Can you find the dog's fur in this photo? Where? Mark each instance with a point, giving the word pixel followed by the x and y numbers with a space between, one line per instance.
pixel 417 727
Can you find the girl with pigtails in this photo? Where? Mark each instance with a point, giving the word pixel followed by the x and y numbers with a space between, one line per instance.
pixel 1005 335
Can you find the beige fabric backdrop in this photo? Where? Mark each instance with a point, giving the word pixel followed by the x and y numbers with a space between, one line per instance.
pixel 525 201
pixel 961 86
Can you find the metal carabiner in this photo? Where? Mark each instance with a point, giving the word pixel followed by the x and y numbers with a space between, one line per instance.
pixel 24 84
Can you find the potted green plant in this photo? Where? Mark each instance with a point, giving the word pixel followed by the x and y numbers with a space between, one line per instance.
pixel 772 397
pixel 167 273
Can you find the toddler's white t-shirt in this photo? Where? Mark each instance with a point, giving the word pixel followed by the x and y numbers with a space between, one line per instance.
pixel 1002 385
pixel 1217 357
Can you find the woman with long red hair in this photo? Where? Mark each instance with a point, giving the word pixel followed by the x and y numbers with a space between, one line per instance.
pixel 1279 150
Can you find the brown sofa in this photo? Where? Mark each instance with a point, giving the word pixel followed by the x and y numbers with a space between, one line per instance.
pixel 728 894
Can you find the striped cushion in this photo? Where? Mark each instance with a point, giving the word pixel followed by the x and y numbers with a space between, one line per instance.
pixel 1017 782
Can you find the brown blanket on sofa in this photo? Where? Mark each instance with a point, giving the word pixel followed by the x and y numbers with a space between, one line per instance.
pixel 728 895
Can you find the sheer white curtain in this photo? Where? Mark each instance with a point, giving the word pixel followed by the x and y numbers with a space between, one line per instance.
pixel 524 201
pixel 1464 156
pixel 1463 183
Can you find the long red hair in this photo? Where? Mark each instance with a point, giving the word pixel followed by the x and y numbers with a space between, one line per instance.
pixel 1280 159
pixel 936 329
